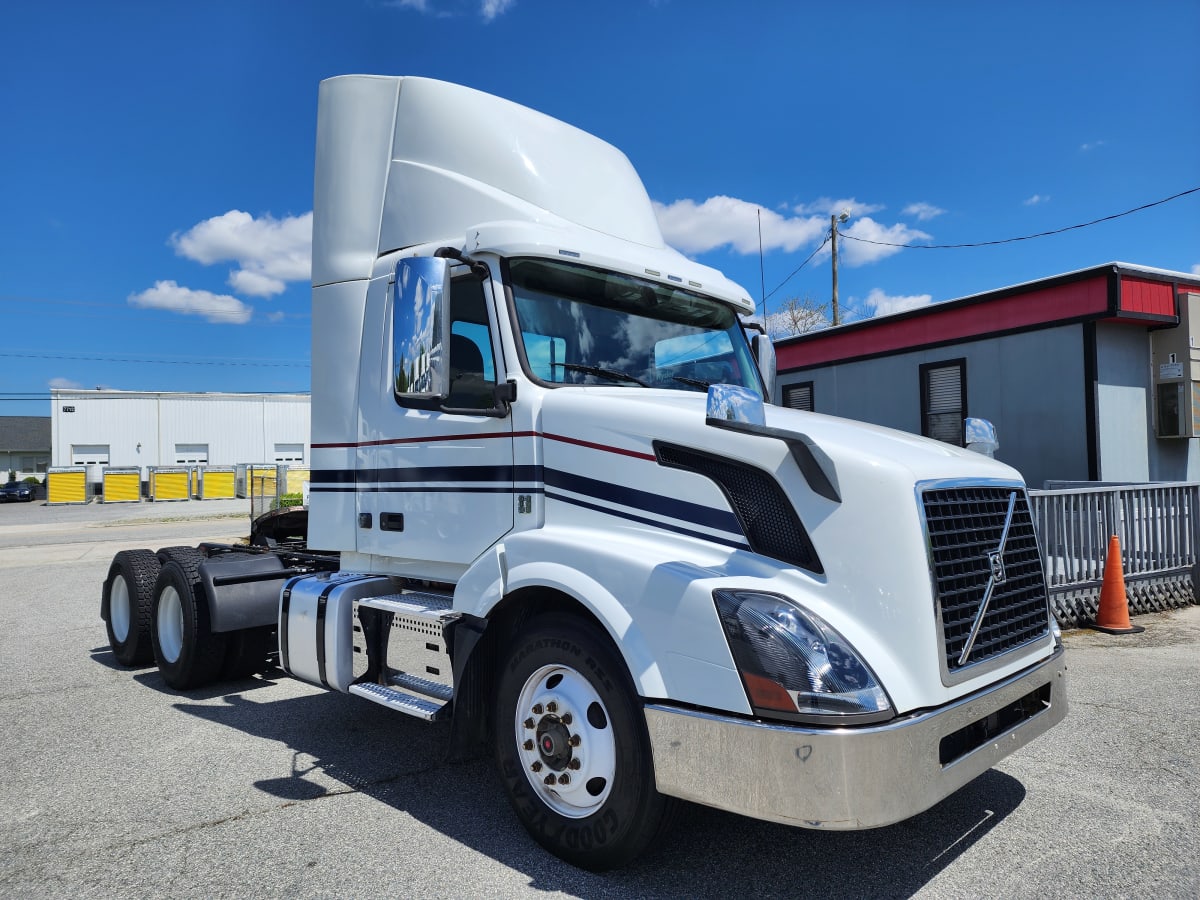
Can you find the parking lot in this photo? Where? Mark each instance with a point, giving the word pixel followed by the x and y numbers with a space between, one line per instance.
pixel 117 786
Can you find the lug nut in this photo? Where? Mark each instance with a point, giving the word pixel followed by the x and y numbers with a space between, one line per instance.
pixel 575 740
pixel 528 745
pixel 537 709
pixel 551 706
pixel 574 765
pixel 536 767
pixel 564 778
pixel 528 723
pixel 567 718
pixel 549 779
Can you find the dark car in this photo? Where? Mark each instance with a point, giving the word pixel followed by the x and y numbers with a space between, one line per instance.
pixel 16 490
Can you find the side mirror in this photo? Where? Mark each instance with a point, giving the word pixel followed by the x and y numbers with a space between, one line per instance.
pixel 421 329
pixel 764 352
pixel 980 436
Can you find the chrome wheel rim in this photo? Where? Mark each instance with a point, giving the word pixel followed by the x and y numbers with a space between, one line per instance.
pixel 565 741
pixel 119 613
pixel 170 624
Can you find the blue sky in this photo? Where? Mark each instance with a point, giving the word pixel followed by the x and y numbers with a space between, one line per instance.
pixel 156 167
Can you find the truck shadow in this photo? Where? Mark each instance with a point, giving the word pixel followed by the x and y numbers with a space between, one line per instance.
pixel 401 762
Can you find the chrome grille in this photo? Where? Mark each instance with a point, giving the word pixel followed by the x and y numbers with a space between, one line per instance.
pixel 964 527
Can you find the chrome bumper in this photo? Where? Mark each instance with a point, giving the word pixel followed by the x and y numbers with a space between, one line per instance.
pixel 843 778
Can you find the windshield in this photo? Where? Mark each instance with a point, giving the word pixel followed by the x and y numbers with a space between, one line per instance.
pixel 587 326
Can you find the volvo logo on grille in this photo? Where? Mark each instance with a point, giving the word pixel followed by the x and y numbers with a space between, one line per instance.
pixel 996 568
pixel 996 563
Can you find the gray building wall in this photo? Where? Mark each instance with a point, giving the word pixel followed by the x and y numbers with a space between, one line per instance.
pixel 1030 385
pixel 1125 441
pixel 1127 446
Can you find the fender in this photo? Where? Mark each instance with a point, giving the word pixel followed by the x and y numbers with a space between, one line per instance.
pixel 660 615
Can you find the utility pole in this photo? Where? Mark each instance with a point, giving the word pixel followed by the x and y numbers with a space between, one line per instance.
pixel 833 225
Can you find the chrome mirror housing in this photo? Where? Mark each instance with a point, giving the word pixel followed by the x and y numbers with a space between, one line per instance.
pixel 421 328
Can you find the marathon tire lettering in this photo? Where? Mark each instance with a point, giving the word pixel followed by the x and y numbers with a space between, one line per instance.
pixel 544 644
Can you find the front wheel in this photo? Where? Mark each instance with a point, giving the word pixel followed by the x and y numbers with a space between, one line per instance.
pixel 572 747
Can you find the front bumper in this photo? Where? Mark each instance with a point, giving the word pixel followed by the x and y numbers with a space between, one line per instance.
pixel 852 778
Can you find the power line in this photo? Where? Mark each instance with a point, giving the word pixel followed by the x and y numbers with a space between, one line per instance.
pixel 798 268
pixel 1026 237
pixel 123 394
pixel 215 361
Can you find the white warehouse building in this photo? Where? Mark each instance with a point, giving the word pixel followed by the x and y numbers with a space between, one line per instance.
pixel 142 429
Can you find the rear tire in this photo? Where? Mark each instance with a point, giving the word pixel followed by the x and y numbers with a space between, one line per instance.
pixel 572 747
pixel 188 653
pixel 126 602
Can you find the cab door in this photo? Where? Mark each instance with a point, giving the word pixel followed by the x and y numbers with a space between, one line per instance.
pixel 435 479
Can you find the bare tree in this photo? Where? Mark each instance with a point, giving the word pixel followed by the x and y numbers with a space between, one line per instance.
pixel 797 315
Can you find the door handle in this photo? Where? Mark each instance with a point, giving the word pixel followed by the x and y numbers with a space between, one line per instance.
pixel 391 521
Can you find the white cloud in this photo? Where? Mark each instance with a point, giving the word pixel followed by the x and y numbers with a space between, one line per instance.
pixel 255 283
pixel 492 8
pixel 923 212
pixel 489 9
pixel 1196 269
pixel 823 206
pixel 857 253
pixel 885 304
pixel 65 384
pixel 219 308
pixel 726 221
pixel 1091 145
pixel 269 251
pixel 719 221
pixel 1036 199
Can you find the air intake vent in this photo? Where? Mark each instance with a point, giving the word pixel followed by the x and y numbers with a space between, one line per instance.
pixel 762 508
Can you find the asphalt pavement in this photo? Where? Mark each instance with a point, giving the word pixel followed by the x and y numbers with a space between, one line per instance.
pixel 117 786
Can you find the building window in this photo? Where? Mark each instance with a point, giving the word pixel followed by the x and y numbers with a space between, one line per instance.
pixel 944 400
pixel 191 454
pixel 89 454
pixel 289 453
pixel 799 396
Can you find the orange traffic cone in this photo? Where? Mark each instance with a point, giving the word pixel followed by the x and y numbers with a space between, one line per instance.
pixel 1113 617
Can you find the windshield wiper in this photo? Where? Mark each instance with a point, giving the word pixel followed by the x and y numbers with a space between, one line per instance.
pixel 610 374
pixel 694 382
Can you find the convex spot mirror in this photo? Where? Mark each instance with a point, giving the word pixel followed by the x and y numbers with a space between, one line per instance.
pixel 980 436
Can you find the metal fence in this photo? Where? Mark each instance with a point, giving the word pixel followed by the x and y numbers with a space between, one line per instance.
pixel 1156 525
pixel 268 489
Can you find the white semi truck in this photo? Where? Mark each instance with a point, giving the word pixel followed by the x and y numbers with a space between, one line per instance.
pixel 552 503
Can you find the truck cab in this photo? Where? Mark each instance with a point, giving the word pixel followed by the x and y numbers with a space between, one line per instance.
pixel 568 517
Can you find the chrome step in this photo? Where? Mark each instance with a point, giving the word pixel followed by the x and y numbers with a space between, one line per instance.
pixel 416 684
pixel 397 700
pixel 412 603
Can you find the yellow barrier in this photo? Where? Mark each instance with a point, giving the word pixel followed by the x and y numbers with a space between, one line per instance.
pixel 169 484
pixel 122 486
pixel 296 479
pixel 216 484
pixel 66 485
pixel 263 480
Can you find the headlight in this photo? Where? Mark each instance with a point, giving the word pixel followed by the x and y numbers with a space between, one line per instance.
pixel 793 662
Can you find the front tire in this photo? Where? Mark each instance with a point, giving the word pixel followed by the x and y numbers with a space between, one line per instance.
pixel 188 653
pixel 572 748
pixel 128 595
